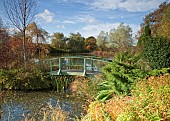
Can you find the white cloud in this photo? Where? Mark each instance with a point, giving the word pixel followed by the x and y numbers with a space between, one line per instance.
pixel 105 4
pixel 94 30
pixel 140 5
pixel 46 16
pixel 61 26
pixel 86 19
pixel 73 1
pixel 68 22
pixel 129 5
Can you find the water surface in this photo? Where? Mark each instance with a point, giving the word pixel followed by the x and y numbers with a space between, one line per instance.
pixel 16 105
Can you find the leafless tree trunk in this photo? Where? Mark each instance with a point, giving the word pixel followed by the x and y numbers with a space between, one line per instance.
pixel 20 13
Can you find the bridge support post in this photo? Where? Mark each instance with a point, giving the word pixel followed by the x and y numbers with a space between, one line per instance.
pixel 84 72
pixel 69 62
pixel 51 68
pixel 92 68
pixel 60 66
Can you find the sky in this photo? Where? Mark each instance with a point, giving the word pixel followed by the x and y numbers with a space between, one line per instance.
pixel 90 17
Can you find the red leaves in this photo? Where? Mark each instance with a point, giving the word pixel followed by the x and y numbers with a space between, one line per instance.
pixel 11 52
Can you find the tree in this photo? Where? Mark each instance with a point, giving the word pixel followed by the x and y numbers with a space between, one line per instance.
pixel 4 50
pixel 39 35
pixel 58 41
pixel 20 13
pixel 76 42
pixel 3 32
pixel 147 30
pixel 155 37
pixel 15 50
pixel 90 43
pixel 154 19
pixel 164 30
pixel 101 40
pixel 120 38
pixel 145 36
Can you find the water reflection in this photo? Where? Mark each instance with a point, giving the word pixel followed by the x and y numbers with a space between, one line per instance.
pixel 16 105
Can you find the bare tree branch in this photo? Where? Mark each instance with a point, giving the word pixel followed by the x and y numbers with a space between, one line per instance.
pixel 20 13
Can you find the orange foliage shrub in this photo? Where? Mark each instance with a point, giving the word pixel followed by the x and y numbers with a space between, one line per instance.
pixel 110 110
pixel 117 105
pixel 150 100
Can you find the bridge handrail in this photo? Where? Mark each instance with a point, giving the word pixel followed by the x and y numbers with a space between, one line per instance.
pixel 70 66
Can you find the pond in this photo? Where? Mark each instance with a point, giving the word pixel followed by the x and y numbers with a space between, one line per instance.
pixel 17 105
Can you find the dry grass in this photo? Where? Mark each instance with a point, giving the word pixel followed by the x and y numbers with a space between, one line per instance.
pixel 84 87
pixel 78 86
pixel 55 113
pixel 51 113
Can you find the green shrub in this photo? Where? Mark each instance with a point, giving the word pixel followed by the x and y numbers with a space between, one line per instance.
pixel 106 90
pixel 157 72
pixel 120 75
pixel 157 51
pixel 33 79
pixel 8 80
pixel 30 78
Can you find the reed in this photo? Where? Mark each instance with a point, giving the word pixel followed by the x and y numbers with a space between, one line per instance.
pixel 60 83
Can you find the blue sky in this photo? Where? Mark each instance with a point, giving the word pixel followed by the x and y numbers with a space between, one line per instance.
pixel 90 17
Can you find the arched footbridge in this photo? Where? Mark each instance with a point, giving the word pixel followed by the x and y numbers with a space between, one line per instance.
pixel 74 65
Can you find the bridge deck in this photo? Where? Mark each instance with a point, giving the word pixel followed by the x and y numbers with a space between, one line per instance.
pixel 77 72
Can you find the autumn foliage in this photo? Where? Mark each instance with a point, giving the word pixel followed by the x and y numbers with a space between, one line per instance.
pixel 90 44
pixel 11 53
pixel 150 101
pixel 158 21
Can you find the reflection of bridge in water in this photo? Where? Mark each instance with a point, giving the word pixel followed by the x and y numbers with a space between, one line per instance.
pixel 75 65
